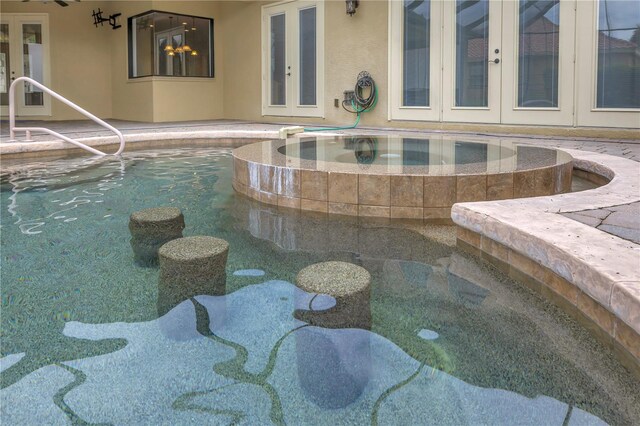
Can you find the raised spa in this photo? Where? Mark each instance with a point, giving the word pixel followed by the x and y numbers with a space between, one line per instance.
pixel 395 177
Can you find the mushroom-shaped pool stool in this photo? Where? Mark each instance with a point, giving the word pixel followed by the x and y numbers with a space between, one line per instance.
pixel 150 229
pixel 191 266
pixel 349 284
pixel 334 359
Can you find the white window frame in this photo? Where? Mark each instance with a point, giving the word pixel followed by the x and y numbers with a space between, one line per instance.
pixel 397 111
pixel 586 76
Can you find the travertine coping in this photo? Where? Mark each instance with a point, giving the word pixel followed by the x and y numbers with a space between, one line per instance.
pixel 263 173
pixel 105 143
pixel 337 279
pixel 601 266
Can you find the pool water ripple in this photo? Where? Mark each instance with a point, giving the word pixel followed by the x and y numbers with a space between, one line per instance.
pixel 88 336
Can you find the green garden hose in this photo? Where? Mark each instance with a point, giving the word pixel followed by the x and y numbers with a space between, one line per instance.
pixel 359 104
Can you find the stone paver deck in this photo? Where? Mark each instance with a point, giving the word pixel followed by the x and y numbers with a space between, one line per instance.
pixel 623 220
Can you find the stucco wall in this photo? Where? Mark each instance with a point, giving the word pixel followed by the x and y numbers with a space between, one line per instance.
pixel 351 45
pixel 89 65
pixel 354 44
pixel 132 99
pixel 241 62
pixel 164 98
pixel 80 56
pixel 197 98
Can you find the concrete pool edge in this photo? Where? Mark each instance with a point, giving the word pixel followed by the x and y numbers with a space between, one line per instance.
pixel 133 140
pixel 591 274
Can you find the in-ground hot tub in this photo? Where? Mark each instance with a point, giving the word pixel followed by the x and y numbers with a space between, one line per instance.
pixel 395 177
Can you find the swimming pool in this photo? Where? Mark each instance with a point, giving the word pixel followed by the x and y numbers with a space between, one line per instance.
pixel 89 336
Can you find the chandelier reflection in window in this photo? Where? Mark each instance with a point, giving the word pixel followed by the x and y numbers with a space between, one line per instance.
pixel 181 44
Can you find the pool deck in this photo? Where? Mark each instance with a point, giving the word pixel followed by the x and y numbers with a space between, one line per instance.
pixel 582 249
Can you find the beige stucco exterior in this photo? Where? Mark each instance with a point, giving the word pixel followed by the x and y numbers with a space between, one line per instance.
pixel 90 66
pixel 77 51
pixel 351 46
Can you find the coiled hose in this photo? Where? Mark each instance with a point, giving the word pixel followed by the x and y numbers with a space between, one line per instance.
pixel 358 104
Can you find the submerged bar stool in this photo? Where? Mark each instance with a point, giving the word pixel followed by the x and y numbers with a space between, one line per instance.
pixel 349 284
pixel 335 357
pixel 191 266
pixel 150 229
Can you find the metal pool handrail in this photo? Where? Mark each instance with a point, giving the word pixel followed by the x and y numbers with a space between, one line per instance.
pixel 28 130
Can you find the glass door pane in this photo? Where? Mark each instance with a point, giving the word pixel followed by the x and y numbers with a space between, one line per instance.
pixel 538 46
pixel 618 77
pixel 307 54
pixel 537 62
pixel 177 65
pixel 162 58
pixel 472 53
pixel 415 53
pixel 33 63
pixel 5 64
pixel 278 60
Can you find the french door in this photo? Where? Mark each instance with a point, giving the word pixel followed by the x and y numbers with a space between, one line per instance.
pixel 471 68
pixel 483 61
pixel 293 59
pixel 24 51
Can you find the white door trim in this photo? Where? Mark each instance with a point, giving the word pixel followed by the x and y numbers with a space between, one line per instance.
pixel 291 10
pixel 450 111
pixel 397 111
pixel 15 21
pixel 563 113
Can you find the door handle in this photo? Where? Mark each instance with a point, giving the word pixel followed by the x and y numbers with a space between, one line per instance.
pixel 289 74
pixel 495 61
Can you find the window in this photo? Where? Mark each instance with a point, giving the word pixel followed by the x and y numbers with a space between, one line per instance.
pixel 539 45
pixel 472 53
pixel 415 49
pixel 618 75
pixel 415 38
pixel 170 44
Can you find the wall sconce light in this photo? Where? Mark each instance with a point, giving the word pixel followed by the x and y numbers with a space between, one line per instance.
pixel 352 5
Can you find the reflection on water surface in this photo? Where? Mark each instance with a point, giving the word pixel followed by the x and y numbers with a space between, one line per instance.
pixel 443 339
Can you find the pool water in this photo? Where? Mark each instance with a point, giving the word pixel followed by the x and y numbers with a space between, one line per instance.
pixel 434 156
pixel 89 336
